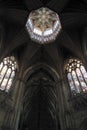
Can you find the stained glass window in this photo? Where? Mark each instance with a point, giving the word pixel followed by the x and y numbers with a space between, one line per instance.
pixel 43 25
pixel 8 69
pixel 77 76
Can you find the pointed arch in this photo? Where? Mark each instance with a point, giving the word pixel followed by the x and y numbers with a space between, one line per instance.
pixel 77 76
pixel 8 69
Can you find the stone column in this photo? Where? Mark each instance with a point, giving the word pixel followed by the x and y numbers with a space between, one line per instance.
pixel 12 115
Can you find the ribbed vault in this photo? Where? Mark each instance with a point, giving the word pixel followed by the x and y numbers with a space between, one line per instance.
pixel 40 101
pixel 41 95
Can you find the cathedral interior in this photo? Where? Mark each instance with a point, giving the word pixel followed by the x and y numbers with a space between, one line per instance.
pixel 43 63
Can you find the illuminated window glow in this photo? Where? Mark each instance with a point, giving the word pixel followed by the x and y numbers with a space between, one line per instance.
pixel 77 76
pixel 43 25
pixel 7 72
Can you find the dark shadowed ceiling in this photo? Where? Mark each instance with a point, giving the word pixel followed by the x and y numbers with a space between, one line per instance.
pixel 13 16
pixel 15 40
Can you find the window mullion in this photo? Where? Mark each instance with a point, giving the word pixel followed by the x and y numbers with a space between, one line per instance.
pixel 70 83
pixel 1 71
pixel 79 81
pixel 83 77
pixel 8 80
pixel 3 78
pixel 73 82
pixel 2 67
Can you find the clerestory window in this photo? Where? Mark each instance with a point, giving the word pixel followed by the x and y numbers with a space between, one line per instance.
pixel 77 76
pixel 8 69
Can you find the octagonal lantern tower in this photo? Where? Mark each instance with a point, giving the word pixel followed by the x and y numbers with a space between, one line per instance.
pixel 43 25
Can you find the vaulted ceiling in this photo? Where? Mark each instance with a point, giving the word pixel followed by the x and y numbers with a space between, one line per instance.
pixel 14 38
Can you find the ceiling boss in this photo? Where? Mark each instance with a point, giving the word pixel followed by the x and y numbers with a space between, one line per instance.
pixel 43 25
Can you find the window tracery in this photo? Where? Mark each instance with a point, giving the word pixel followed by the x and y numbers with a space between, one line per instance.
pixel 8 69
pixel 77 76
pixel 43 25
